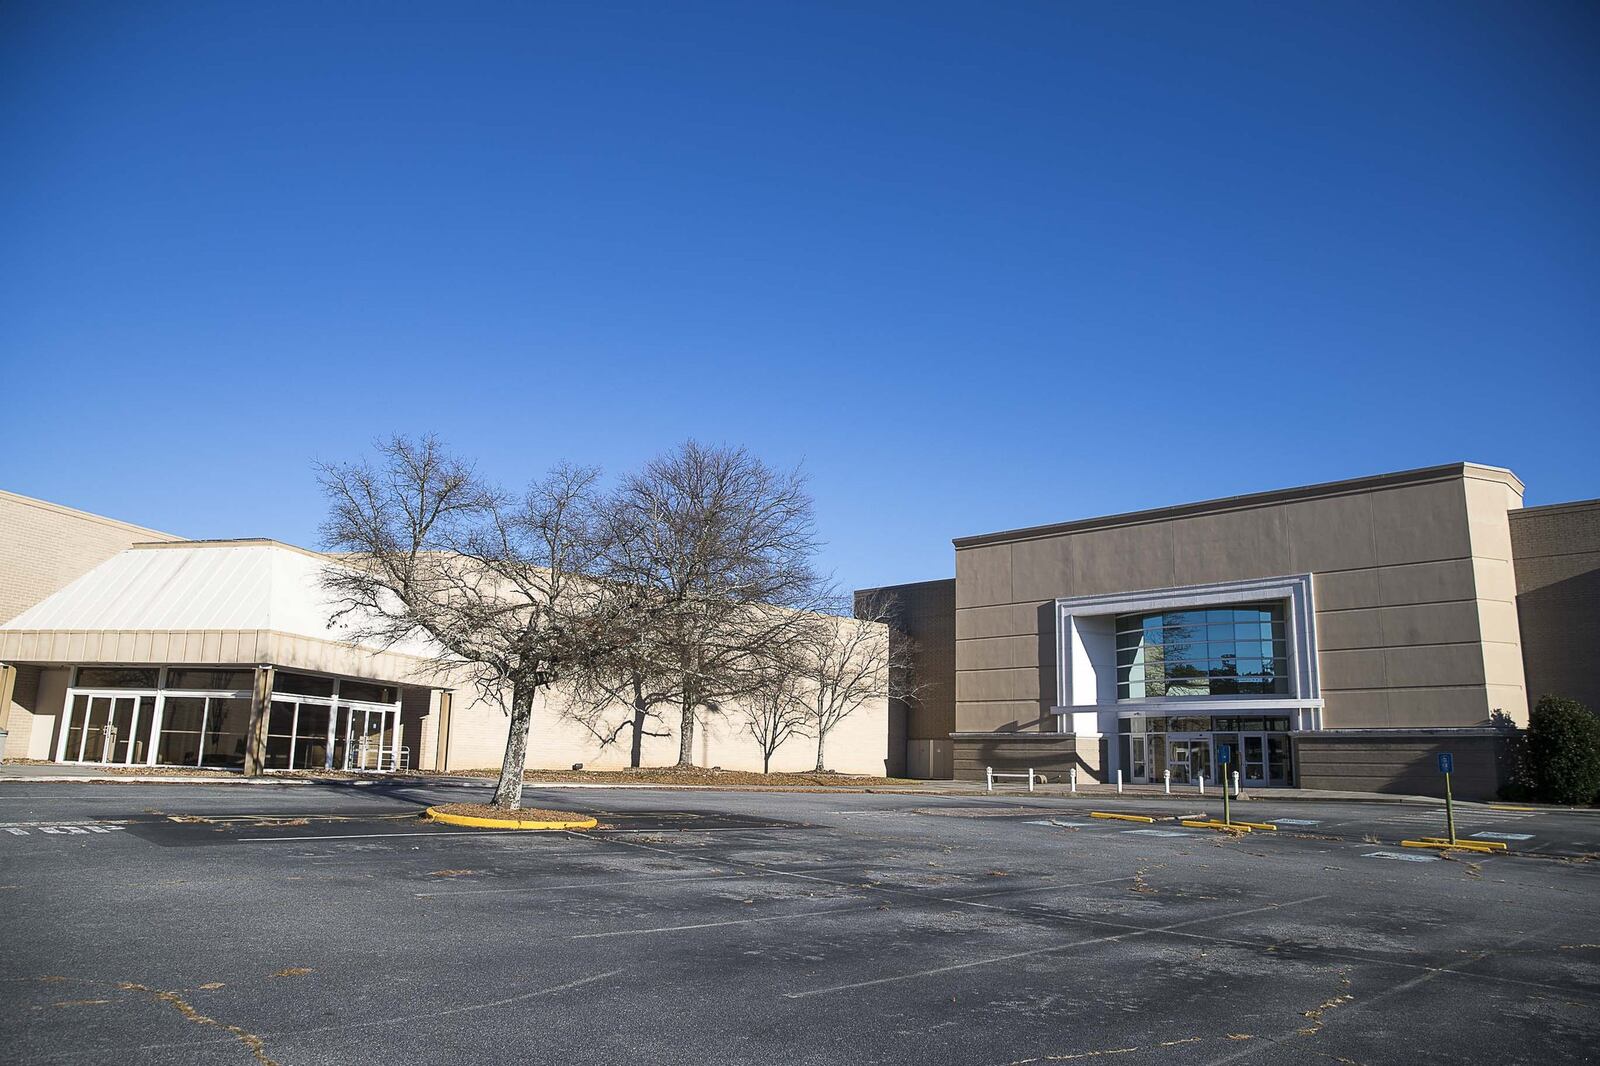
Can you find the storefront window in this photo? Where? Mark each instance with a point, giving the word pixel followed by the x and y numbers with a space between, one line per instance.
pixel 302 684
pixel 181 720
pixel 201 679
pixel 227 727
pixel 1215 651
pixel 115 677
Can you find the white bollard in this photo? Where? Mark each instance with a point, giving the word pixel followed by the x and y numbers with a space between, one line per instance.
pixel 1202 780
pixel 1166 781
pixel 1072 780
pixel 1236 784
pixel 1119 782
pixel 1030 778
pixel 989 772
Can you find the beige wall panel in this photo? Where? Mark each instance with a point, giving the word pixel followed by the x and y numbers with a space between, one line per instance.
pixel 988 685
pixel 1489 507
pixel 1346 589
pixel 1429 623
pixel 1498 623
pixel 1330 534
pixel 995 653
pixel 1122 560
pixel 1435 665
pixel 1008 621
pixel 1510 700
pixel 210 646
pixel 1421 523
pixel 51 701
pixel 1352 669
pixel 1357 710
pixel 1434 582
pixel 983 576
pixel 1231 547
pixel 1440 707
pixel 982 717
pixel 857 745
pixel 1495 579
pixel 1042 569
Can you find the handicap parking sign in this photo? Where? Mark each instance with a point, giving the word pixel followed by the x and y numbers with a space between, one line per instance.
pixel 1447 763
pixel 1224 754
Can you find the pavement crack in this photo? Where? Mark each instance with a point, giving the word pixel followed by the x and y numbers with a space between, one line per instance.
pixel 254 1043
pixel 1078 1056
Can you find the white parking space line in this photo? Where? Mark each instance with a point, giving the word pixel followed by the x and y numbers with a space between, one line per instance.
pixel 1296 821
pixel 1157 832
pixel 715 925
pixel 1504 836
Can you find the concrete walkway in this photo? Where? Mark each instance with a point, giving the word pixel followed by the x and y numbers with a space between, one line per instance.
pixel 65 772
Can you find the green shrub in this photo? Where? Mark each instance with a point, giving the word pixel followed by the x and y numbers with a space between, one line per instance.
pixel 1564 751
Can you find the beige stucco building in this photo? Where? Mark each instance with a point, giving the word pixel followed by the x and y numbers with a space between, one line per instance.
pixel 126 646
pixel 1336 636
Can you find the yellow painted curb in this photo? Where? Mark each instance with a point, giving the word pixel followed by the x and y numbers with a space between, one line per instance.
pixel 1445 845
pixel 1219 826
pixel 1492 845
pixel 1508 807
pixel 434 814
pixel 1257 825
pixel 1121 817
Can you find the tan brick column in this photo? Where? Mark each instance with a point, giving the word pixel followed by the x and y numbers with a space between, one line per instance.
pixel 255 744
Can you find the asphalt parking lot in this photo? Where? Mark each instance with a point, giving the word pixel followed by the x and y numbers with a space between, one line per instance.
pixel 307 924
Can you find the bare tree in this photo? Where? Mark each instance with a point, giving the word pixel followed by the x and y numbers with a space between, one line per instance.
pixel 708 554
pixel 493 582
pixel 774 714
pixel 846 664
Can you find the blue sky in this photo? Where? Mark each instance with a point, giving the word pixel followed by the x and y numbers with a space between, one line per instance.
pixel 976 266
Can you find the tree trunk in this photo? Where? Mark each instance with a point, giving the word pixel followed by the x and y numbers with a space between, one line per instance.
pixel 686 734
pixel 822 739
pixel 636 752
pixel 508 790
pixel 766 761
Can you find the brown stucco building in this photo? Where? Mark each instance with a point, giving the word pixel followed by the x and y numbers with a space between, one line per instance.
pixel 1332 636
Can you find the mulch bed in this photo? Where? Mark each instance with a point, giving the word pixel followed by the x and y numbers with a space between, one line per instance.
pixel 527 814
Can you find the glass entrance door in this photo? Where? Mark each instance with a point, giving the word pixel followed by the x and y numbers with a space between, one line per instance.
pixel 1253 758
pixel 1188 758
pixel 99 729
pixel 374 730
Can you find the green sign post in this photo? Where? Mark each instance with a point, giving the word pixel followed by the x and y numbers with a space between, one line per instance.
pixel 1446 767
pixel 1224 757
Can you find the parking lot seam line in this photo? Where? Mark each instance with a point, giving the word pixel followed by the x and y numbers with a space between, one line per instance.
pixel 1103 923
pixel 590 884
pixel 714 925
pixel 102 1052
pixel 935 971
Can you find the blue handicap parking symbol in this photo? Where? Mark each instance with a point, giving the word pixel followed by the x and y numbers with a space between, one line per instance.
pixel 1447 763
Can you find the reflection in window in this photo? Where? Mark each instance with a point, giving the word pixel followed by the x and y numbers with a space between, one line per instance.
pixel 1239 650
pixel 181 720
pixel 115 677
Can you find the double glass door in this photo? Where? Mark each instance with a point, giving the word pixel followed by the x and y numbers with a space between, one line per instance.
pixel 1264 758
pixel 108 729
pixel 1188 758
pixel 366 738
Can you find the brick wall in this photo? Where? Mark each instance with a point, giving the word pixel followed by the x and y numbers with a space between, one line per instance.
pixel 44 547
pixel 1557 555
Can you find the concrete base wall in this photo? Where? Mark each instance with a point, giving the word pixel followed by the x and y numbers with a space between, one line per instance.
pixel 1051 754
pixel 1404 761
